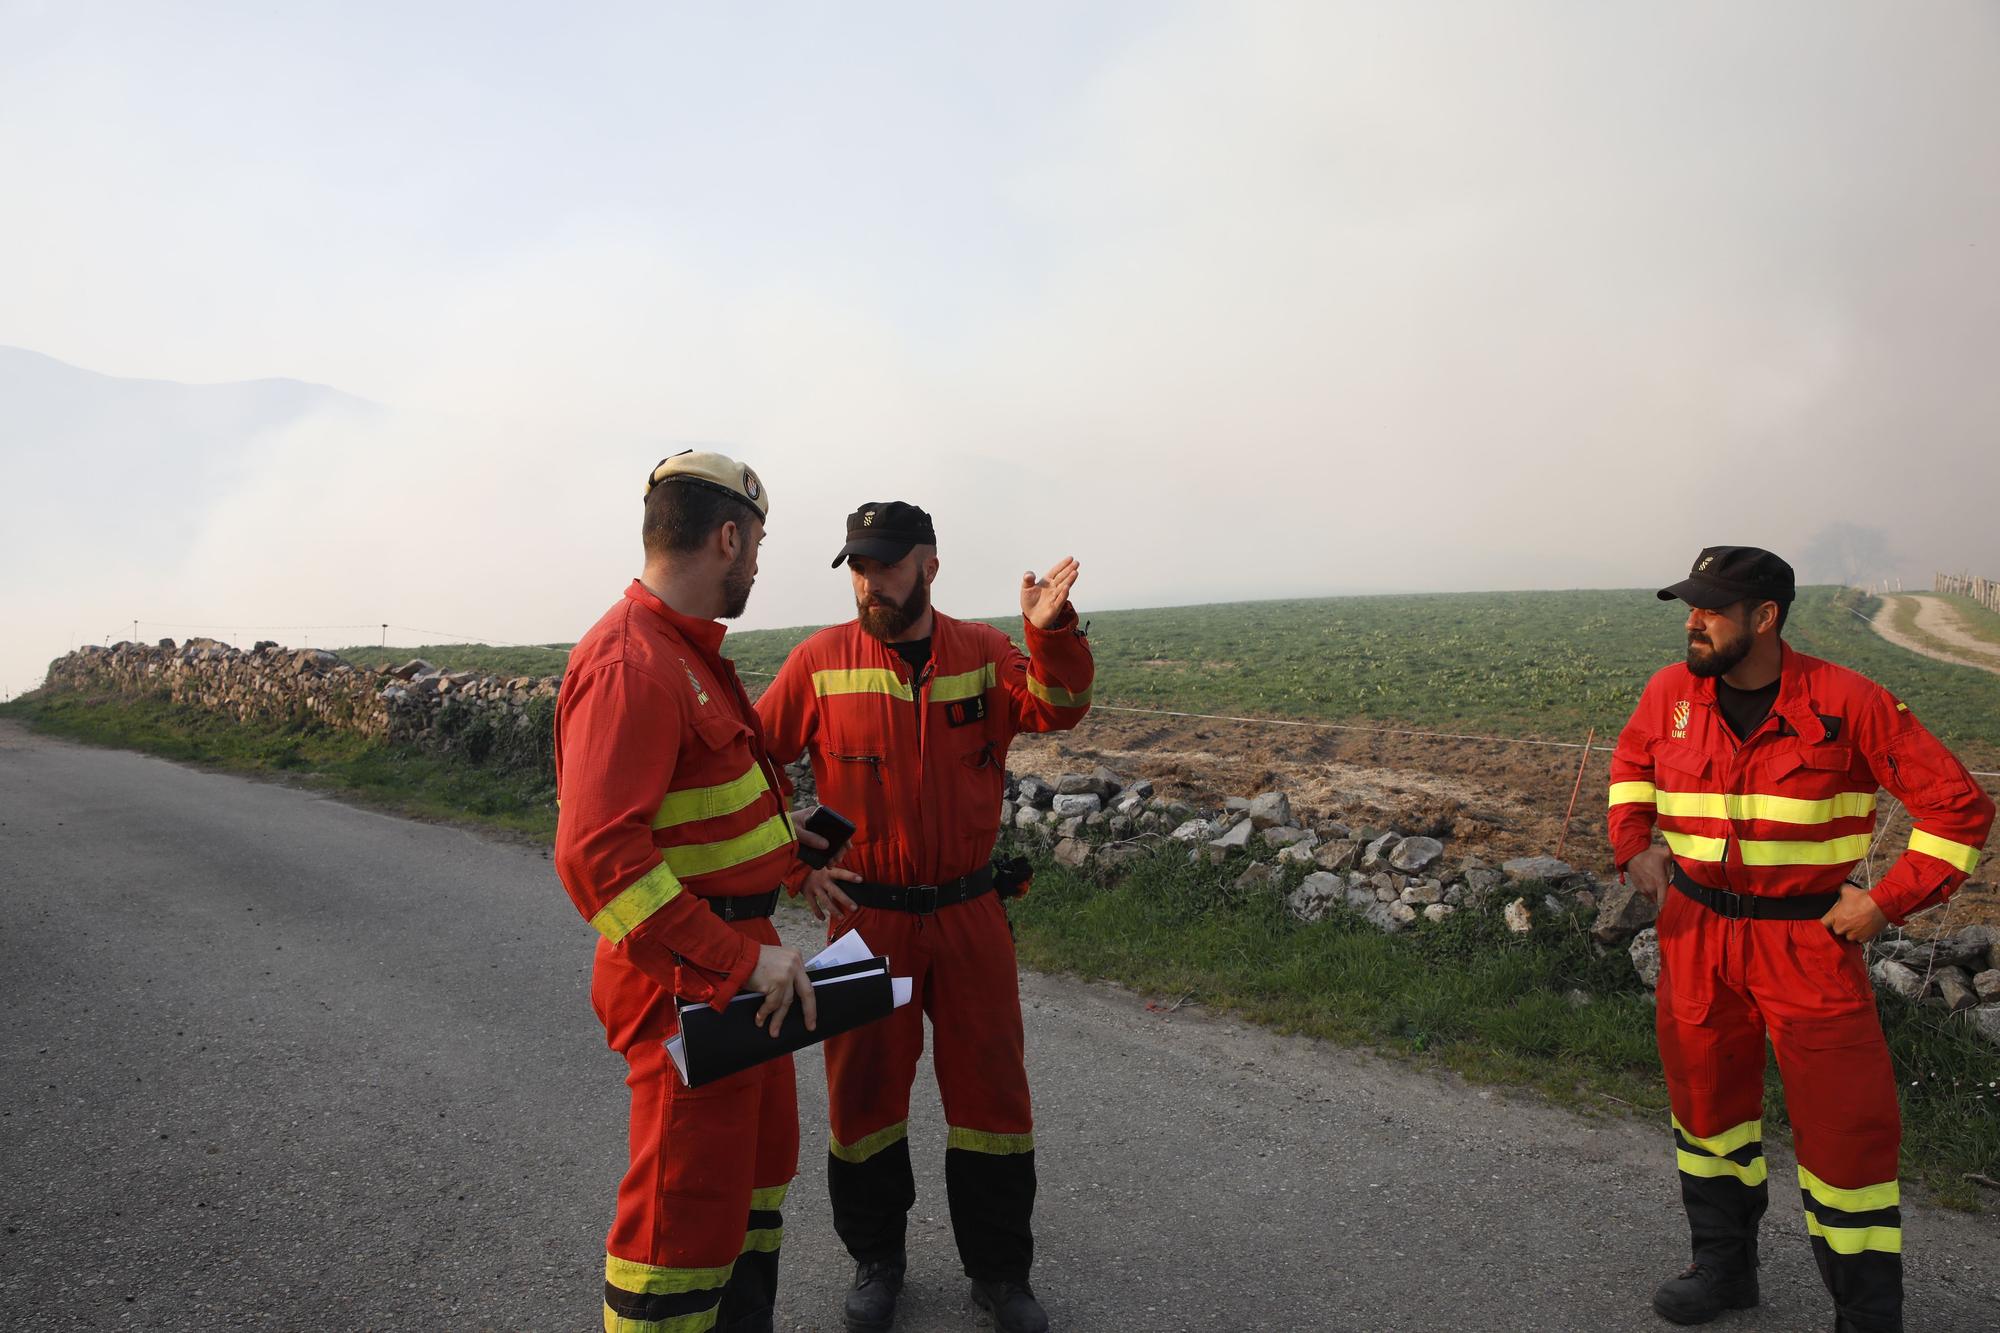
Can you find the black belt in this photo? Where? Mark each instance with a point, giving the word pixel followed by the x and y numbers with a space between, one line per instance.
pixel 922 899
pixel 749 906
pixel 1751 906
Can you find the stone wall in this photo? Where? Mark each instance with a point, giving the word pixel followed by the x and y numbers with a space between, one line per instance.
pixel 485 718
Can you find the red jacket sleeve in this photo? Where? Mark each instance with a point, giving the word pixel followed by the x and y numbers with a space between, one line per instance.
pixel 1048 687
pixel 789 710
pixel 1950 815
pixel 617 733
pixel 1633 799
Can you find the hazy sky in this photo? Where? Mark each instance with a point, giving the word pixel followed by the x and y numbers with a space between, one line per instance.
pixel 1228 300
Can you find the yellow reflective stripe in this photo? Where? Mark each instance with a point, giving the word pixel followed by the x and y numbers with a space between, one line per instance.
pixel 1856 1240
pixel 1867 1199
pixel 652 1280
pixel 1728 1141
pixel 639 900
pixel 1632 793
pixel 1694 848
pixel 685 807
pixel 705 858
pixel 1755 805
pixel 1056 696
pixel 764 1240
pixel 966 685
pixel 860 680
pixel 701 1321
pixel 866 1147
pixel 1952 853
pixel 1756 1173
pixel 769 1199
pixel 1832 852
pixel 996 1145
pixel 1692 804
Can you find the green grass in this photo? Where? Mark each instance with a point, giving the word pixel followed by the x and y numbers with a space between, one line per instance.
pixel 1544 664
pixel 531 660
pixel 405 782
pixel 1465 995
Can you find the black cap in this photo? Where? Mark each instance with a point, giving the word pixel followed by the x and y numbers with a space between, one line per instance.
pixel 885 530
pixel 1725 575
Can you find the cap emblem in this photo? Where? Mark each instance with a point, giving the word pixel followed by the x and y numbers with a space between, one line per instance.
pixel 1706 561
pixel 868 519
pixel 750 486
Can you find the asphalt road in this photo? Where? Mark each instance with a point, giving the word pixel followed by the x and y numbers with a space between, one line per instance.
pixel 270 1061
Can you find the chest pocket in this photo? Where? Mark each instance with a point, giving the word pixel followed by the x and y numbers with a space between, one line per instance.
pixel 1818 764
pixel 1681 758
pixel 716 732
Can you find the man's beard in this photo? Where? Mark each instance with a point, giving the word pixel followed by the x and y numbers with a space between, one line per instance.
pixel 886 622
pixel 1706 659
pixel 736 586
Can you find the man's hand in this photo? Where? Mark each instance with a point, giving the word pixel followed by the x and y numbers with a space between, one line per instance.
pixel 780 975
pixel 1043 599
pixel 1855 917
pixel 1648 872
pixel 823 893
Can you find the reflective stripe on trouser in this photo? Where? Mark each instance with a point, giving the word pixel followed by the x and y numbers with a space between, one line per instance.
pixel 961 960
pixel 1723 985
pixel 695 1243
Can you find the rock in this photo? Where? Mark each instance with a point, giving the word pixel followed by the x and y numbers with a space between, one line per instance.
pixel 1585 899
pixel 1006 814
pixel 1120 826
pixel 1298 854
pixel 1066 804
pixel 1386 890
pixel 1970 948
pixel 1194 830
pixel 1096 819
pixel 1271 809
pixel 1069 828
pixel 1645 952
pixel 1286 837
pixel 1545 869
pixel 1954 986
pixel 1402 914
pixel 1898 978
pixel 1421 893
pixel 1481 885
pixel 1376 855
pixel 1987 984
pixel 1332 831
pixel 1027 817
pixel 1236 805
pixel 1073 852
pixel 1257 877
pixel 1077 784
pixel 1415 855
pixel 1986 1022
pixel 1555 905
pixel 1454 894
pixel 1142 789
pixel 413 668
pixel 1337 856
pixel 1128 803
pixel 1033 791
pixel 1623 912
pixel 1118 854
pixel 1518 919
pixel 1315 896
pixel 1236 840
pixel 1108 783
pixel 1438 911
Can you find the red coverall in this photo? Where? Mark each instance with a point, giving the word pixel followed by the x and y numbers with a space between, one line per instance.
pixel 920 767
pixel 1788 811
pixel 667 799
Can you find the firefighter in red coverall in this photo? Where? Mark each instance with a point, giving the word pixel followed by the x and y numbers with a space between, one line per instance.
pixel 1759 766
pixel 908 715
pixel 670 839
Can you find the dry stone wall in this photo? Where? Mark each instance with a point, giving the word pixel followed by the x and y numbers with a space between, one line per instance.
pixel 487 718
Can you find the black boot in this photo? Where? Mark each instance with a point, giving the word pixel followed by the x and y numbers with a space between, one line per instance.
pixel 1702 1293
pixel 871 1304
pixel 1012 1305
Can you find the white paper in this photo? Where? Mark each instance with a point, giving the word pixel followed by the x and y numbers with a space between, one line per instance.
pixel 902 988
pixel 677 1052
pixel 849 948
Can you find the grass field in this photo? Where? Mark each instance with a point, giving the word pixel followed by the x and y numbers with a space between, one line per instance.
pixel 1547 1010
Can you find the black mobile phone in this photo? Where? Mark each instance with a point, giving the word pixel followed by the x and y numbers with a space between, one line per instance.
pixel 830 824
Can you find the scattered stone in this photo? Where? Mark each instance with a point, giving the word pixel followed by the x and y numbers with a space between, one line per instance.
pixel 1033 791
pixel 1386 890
pixel 1422 892
pixel 1128 803
pixel 1259 876
pixel 1236 805
pixel 1066 804
pixel 1986 1022
pixel 1623 912
pixel 1298 854
pixel 1073 852
pixel 1027 817
pixel 1645 952
pixel 1332 831
pixel 1481 884
pixel 1271 809
pixel 1585 899
pixel 1108 783
pixel 1969 948
pixel 1898 978
pixel 1402 914
pixel 1069 828
pixel 1120 826
pixel 1006 814
pixel 1194 830
pixel 1142 789
pixel 1096 819
pixel 1545 869
pixel 1337 856
pixel 1076 784
pixel 1518 919
pixel 1415 855
pixel 1119 854
pixel 1236 840
pixel 1987 984
pixel 1315 896
pixel 1286 837
pixel 1378 852
pixel 1954 987
pixel 1438 911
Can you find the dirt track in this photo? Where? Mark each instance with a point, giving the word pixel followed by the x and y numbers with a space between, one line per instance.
pixel 1936 619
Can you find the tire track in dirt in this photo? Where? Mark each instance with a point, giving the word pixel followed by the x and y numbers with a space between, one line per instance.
pixel 1884 625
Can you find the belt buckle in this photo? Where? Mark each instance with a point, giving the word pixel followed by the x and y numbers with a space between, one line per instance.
pixel 924 899
pixel 1736 906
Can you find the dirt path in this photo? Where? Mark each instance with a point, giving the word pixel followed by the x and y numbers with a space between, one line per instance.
pixel 1937 620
